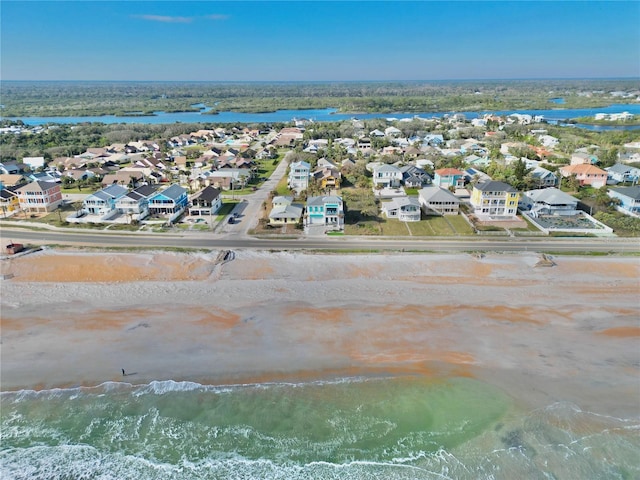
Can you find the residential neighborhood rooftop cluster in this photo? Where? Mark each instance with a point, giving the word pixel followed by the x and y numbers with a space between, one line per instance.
pixel 414 169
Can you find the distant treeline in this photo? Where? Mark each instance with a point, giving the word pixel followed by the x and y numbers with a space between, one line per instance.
pixel 22 99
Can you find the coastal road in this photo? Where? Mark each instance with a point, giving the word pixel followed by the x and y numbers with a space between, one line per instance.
pixel 356 244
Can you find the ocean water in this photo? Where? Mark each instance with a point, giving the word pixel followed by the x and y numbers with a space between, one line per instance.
pixel 355 428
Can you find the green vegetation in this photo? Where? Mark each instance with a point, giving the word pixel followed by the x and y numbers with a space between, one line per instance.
pixel 622 225
pixel 143 98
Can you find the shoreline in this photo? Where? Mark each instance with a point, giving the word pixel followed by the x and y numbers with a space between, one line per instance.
pixel 542 335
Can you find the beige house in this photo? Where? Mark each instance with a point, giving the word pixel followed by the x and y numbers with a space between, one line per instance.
pixel 39 196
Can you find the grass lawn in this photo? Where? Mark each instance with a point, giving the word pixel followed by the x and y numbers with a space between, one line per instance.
pixel 393 228
pixel 282 188
pixel 267 167
pixel 421 229
pixel 460 225
pixel 84 191
pixel 363 227
pixel 431 227
pixel 441 226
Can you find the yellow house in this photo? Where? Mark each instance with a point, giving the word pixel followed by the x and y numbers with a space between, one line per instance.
pixel 9 202
pixel 494 199
pixel 328 177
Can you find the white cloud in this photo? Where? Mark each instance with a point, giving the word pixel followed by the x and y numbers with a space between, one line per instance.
pixel 164 18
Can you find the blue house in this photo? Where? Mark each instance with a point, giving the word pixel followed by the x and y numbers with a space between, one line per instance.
pixel 327 210
pixel 433 139
pixel 103 201
pixel 171 200
pixel 629 199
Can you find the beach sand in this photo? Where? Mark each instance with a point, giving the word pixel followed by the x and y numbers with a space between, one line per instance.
pixel 570 332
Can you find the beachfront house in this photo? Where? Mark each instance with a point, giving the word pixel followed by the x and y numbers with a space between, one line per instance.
pixel 325 210
pixel 438 201
pixel 9 202
pixel 629 198
pixel 103 201
pixel 39 196
pixel 405 209
pixel 170 201
pixel 206 202
pixel 494 199
pixel 284 211
pixel 135 204
pixel 548 201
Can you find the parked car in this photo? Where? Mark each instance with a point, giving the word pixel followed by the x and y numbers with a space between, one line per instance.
pixel 231 220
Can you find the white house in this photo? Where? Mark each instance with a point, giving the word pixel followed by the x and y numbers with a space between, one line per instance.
pixel 103 201
pixel 438 201
pixel 620 172
pixel 548 201
pixel 299 174
pixel 405 209
pixel 386 175
pixel 34 162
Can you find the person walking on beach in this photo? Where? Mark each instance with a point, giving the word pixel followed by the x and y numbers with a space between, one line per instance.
pixel 123 374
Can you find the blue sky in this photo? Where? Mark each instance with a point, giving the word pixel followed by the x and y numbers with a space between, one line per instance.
pixel 318 40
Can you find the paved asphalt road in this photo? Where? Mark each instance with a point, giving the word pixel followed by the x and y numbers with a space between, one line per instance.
pixel 213 241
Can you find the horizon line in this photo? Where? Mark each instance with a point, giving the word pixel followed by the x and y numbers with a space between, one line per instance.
pixel 333 81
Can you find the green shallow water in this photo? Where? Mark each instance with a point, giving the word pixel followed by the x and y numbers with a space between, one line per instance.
pixel 354 428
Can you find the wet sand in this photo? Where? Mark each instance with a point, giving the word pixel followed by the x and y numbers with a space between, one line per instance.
pixel 570 332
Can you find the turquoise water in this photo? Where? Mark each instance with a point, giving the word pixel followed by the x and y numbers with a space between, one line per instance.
pixel 391 428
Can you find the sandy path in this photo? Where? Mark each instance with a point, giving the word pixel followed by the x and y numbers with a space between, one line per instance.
pixel 569 332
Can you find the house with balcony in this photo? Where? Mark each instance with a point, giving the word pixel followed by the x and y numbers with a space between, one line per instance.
pixel 385 175
pixel 405 209
pixel 299 174
pixel 620 173
pixel 206 202
pixel 438 201
pixel 103 201
pixel 171 201
pixel 544 178
pixel 9 203
pixel 494 199
pixel 586 174
pixel 629 198
pixel 325 210
pixel 548 201
pixel 39 196
pixel 449 177
pixel 328 177
pixel 135 204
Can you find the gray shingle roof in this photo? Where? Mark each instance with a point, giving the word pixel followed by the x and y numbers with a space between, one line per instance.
pixel 495 186
pixel 437 194
pixel 631 192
